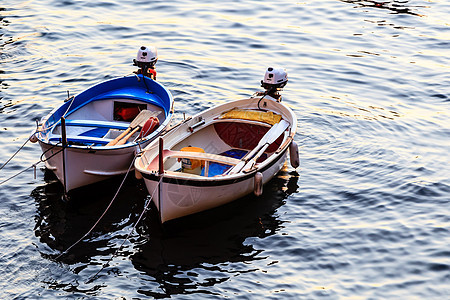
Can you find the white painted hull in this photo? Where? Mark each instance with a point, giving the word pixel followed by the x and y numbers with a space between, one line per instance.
pixel 84 167
pixel 179 200
pixel 93 120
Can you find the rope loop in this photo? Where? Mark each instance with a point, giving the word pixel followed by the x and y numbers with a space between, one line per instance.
pixel 146 208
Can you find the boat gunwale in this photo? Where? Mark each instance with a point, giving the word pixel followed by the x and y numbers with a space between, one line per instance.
pixel 211 116
pixel 43 133
pixel 181 179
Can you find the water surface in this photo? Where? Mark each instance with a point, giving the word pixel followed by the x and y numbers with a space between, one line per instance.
pixel 365 216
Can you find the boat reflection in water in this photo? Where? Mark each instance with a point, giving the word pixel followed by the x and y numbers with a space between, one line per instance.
pixel 60 224
pixel 209 241
pixel 195 246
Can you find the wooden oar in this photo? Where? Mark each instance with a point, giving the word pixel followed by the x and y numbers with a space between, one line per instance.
pixel 137 123
pixel 274 132
pixel 281 128
pixel 147 124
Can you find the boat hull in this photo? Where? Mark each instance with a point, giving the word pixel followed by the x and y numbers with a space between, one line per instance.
pixel 84 167
pixel 94 119
pixel 175 198
pixel 226 138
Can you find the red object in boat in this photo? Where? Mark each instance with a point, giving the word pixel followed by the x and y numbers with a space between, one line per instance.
pixel 150 125
pixel 150 73
pixel 128 113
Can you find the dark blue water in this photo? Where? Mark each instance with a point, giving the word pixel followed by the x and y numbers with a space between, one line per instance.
pixel 365 216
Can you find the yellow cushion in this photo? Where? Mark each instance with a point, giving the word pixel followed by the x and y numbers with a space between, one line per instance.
pixel 253 115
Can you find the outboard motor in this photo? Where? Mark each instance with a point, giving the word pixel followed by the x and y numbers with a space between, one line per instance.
pixel 146 59
pixel 274 80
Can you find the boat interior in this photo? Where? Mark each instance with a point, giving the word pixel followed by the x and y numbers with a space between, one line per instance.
pixel 214 149
pixel 99 122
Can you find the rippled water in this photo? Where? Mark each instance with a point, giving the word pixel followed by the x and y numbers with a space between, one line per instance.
pixel 365 216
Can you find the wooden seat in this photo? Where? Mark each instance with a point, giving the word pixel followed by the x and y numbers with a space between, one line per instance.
pixel 203 156
pixel 97 123
pixel 208 157
pixel 82 139
pixel 251 122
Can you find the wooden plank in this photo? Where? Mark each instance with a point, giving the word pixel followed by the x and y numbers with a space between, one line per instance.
pixel 82 139
pixel 203 156
pixel 194 155
pixel 97 123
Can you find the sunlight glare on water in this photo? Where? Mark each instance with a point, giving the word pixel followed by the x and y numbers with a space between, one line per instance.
pixel 365 216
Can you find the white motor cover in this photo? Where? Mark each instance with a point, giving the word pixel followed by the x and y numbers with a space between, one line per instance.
pixel 275 76
pixel 147 55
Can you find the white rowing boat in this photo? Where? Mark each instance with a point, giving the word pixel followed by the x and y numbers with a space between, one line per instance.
pixel 95 135
pixel 219 155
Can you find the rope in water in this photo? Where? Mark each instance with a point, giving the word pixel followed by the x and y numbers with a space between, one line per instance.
pixel 35 164
pixel 92 228
pixel 96 223
pixel 103 214
pixel 128 236
pixel 20 148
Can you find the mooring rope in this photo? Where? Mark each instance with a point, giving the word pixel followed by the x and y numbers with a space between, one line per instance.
pixel 17 174
pixel 20 148
pixel 28 139
pixel 103 214
pixel 72 98
pixel 94 277
pixel 36 163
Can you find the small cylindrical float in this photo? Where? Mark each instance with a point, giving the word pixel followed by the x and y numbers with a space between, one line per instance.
pixel 150 125
pixel 33 137
pixel 137 174
pixel 258 184
pixel 294 157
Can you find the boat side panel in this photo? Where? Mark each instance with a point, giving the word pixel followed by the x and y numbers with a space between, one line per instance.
pixel 178 200
pixel 85 167
pixel 131 87
pixel 205 138
pixel 181 197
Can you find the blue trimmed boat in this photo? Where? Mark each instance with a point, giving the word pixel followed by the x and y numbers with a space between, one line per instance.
pixel 95 135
